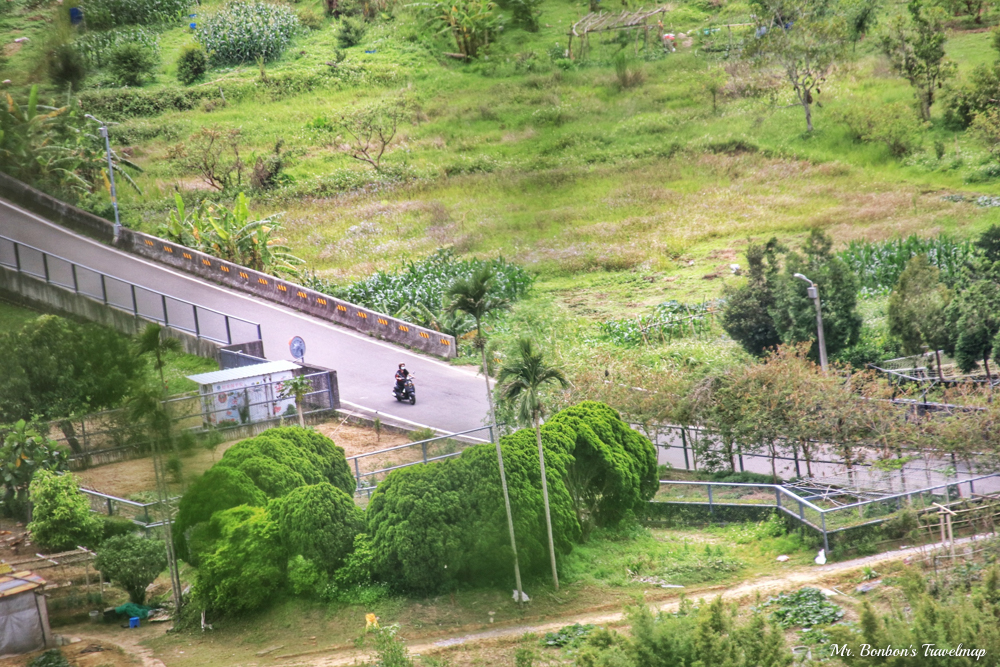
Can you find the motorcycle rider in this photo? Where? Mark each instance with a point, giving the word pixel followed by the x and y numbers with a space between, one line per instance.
pixel 401 375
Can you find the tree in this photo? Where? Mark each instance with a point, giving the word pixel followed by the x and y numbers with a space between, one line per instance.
pixel 24 452
pixel 520 381
pixel 297 387
pixel 972 8
pixel 472 23
pixel 54 368
pixel 806 46
pixel 746 316
pixel 475 297
pixel 795 313
pixel 318 522
pixel 61 516
pixel 978 323
pixel 918 309
pixel 914 43
pixel 131 562
pixel 372 128
pixel 246 568
pixel 861 17
pixel 989 241
pixel 150 406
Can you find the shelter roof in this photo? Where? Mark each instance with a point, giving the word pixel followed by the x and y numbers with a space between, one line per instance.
pixel 19 582
pixel 242 372
pixel 599 21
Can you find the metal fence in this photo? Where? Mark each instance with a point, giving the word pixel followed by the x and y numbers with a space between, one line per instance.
pixel 146 515
pixel 814 507
pixel 113 435
pixel 142 302
pixel 372 467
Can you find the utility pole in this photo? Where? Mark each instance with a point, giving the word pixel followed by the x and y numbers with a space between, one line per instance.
pixel 813 293
pixel 111 174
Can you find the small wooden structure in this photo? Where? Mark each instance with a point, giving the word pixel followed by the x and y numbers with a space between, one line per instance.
pixel 24 617
pixel 597 22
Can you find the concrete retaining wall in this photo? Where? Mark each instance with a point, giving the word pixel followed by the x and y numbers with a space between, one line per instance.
pixel 47 298
pixel 246 280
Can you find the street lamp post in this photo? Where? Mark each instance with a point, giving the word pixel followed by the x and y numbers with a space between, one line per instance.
pixel 813 293
pixel 111 173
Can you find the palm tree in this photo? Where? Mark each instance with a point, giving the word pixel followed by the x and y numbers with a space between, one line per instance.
pixel 297 387
pixel 474 296
pixel 520 380
pixel 149 405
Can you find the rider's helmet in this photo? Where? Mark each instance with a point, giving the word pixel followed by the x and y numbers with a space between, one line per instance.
pixel 402 366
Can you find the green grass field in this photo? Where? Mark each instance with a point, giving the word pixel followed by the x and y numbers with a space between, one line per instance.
pixel 617 199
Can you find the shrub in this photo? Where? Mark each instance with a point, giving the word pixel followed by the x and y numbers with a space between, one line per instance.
pixel 66 67
pixel 628 71
pixel 61 517
pixel 329 457
pixel 220 488
pixel 247 30
pixel 51 658
pixel 104 14
pixel 893 125
pixel 131 562
pixel 131 64
pixel 525 14
pixel 278 449
pixel 310 19
pixel 807 607
pixel 191 64
pixel 115 526
pixel 271 477
pixel 305 578
pixel 246 568
pixel 174 468
pixel 23 452
pixel 318 522
pixel 359 566
pixel 351 32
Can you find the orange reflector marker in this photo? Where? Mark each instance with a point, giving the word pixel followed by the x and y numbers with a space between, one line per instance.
pixel 147 242
pixel 320 301
pixel 342 309
pixel 282 288
pixel 244 276
pixel 363 315
pixel 168 248
pixel 224 268
pixel 424 334
pixel 301 294
pixel 206 262
pixel 262 281
pixel 403 328
pixel 187 255
pixel 445 341
pixel 383 321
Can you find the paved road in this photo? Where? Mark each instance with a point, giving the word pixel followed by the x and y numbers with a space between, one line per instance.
pixel 448 398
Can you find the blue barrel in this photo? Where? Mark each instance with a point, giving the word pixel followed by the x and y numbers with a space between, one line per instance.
pixel 133 622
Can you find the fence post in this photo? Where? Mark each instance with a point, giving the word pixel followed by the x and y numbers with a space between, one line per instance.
pixel 684 444
pixel 104 290
pixel 163 300
pixel 740 450
pixel 197 329
pixel 110 509
pixel 229 334
pixel 45 266
pixel 357 472
pixel 423 447
pixel 826 541
pixel 777 498
pixel 329 388
pixel 76 284
pixel 17 258
pixel 135 302
pixel 795 453
pixel 711 507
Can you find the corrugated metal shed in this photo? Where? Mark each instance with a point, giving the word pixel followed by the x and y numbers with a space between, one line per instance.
pixel 231 374
pixel 24 616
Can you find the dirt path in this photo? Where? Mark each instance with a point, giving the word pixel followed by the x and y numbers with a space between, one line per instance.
pixel 763 585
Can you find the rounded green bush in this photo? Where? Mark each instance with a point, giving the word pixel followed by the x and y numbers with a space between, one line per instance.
pixel 271 477
pixel 246 568
pixel 278 449
pixel 131 64
pixel 329 456
pixel 132 562
pixel 61 518
pixel 220 488
pixel 191 64
pixel 67 67
pixel 318 522
pixel 245 31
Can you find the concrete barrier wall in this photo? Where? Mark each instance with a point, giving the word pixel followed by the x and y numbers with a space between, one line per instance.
pixel 246 280
pixel 47 298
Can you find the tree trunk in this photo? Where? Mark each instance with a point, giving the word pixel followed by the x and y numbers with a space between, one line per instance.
pixel 774 469
pixel 298 411
pixel 66 426
pixel 937 354
pixel 808 109
pixel 545 499
pixel 503 476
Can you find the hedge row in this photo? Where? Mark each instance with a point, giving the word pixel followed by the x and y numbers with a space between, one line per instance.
pixel 123 103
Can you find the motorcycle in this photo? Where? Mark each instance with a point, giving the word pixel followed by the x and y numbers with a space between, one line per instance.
pixel 407 393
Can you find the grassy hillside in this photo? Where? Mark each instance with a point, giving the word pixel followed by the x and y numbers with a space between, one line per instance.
pixel 619 198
